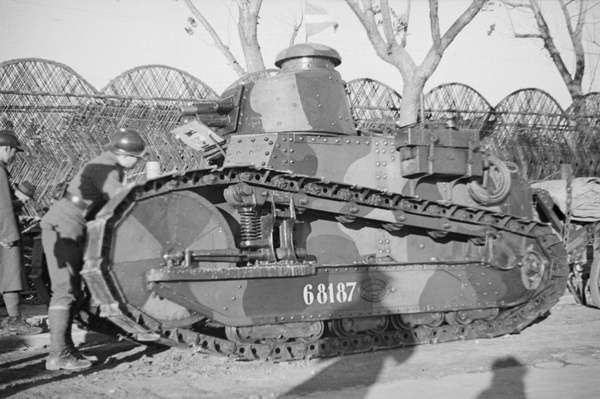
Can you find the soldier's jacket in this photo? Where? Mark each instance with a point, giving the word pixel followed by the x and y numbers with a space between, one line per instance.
pixel 9 229
pixel 11 271
pixel 97 182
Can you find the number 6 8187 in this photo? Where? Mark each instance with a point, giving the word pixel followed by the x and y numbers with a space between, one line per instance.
pixel 330 293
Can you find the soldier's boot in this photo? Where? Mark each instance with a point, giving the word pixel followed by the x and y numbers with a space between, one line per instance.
pixel 63 355
pixel 17 325
pixel 68 359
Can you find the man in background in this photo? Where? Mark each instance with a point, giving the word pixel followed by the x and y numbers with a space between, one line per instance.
pixel 12 277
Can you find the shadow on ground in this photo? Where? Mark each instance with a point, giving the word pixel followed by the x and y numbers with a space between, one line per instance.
pixel 27 372
pixel 341 374
pixel 508 380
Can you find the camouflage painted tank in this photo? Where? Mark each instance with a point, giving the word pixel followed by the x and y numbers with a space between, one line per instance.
pixel 304 237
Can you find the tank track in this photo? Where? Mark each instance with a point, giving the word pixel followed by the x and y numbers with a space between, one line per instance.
pixel 405 210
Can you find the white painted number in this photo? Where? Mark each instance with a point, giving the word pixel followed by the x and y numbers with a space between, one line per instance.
pixel 328 293
pixel 307 294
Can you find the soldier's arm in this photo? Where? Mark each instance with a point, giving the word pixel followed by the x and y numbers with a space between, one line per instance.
pixel 9 230
pixel 112 184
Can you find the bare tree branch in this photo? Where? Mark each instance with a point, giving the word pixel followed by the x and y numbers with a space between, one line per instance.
pixel 388 49
pixel 515 4
pixel 217 40
pixel 528 36
pixel 563 7
pixel 387 23
pixel 247 30
pixel 366 16
pixel 594 71
pixel 573 80
pixel 434 24
pixel 296 29
pixel 465 18
pixel 576 36
pixel 404 18
pixel 434 55
pixel 573 87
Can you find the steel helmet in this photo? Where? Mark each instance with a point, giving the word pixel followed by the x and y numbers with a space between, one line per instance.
pixel 127 142
pixel 8 138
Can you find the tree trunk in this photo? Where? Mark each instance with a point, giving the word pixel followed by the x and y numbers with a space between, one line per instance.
pixel 389 43
pixel 411 100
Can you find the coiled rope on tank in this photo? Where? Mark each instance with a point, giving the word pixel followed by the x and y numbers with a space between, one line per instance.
pixel 499 174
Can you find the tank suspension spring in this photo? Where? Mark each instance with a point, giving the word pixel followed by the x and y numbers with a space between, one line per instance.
pixel 250 224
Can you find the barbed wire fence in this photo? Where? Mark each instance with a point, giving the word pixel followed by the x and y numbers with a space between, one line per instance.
pixel 62 121
pixel 528 127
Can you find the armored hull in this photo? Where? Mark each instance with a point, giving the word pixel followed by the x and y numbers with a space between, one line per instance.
pixel 304 237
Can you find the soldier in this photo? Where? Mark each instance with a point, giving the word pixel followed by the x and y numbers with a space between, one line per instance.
pixel 63 238
pixel 12 278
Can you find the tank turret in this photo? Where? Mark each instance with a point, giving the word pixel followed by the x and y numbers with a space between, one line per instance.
pixel 307 95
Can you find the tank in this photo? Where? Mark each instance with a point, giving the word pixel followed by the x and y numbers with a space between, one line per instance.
pixel 301 236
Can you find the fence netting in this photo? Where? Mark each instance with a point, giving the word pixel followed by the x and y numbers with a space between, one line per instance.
pixel 62 121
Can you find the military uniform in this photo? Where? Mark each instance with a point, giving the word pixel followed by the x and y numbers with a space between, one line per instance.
pixel 11 267
pixel 12 277
pixel 63 227
pixel 64 234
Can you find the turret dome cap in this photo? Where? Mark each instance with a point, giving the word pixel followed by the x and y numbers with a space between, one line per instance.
pixel 308 50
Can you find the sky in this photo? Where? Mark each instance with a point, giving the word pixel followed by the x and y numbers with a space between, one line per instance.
pixel 101 39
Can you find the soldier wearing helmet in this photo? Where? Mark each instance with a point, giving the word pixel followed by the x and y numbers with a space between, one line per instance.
pixel 12 280
pixel 63 238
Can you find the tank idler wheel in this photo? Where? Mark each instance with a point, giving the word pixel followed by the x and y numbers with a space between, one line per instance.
pixel 594 281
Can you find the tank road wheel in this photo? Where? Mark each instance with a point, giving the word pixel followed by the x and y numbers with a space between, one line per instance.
pixel 436 319
pixel 493 313
pixel 381 326
pixel 457 318
pixel 153 227
pixel 464 317
pixel 410 320
pixel 317 329
pixel 337 328
pixel 594 281
pixel 350 327
pixel 398 324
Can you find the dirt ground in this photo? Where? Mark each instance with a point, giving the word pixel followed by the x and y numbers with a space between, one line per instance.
pixel 558 357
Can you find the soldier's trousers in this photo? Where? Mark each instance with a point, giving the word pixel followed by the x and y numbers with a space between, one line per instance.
pixel 64 256
pixel 11 269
